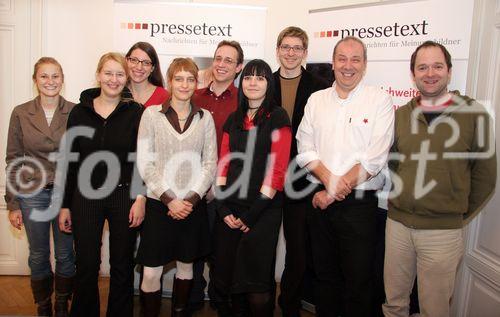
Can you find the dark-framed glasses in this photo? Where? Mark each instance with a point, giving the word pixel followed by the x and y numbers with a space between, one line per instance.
pixel 284 48
pixel 136 61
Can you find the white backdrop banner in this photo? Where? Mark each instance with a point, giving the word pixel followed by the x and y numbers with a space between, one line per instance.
pixel 188 29
pixel 391 32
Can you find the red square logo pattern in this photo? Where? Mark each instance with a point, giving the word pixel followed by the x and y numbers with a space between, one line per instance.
pixel 327 33
pixel 133 25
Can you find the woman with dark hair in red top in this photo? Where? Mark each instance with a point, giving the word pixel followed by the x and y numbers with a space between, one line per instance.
pixel 145 78
pixel 249 196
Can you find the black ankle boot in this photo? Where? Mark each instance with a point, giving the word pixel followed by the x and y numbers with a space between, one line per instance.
pixel 42 291
pixel 180 296
pixel 150 303
pixel 64 290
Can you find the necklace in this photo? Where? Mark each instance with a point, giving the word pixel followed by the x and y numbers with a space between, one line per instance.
pixel 184 119
pixel 251 114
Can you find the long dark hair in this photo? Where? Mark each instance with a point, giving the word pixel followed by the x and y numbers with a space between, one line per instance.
pixel 255 67
pixel 155 77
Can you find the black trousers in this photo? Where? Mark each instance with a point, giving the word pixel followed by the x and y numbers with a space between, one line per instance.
pixel 378 265
pixel 297 255
pixel 343 241
pixel 88 218
pixel 199 283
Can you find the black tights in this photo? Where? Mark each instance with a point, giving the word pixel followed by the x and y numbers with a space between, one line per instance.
pixel 252 304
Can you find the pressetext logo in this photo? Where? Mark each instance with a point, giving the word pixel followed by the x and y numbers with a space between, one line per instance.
pixel 391 30
pixel 179 29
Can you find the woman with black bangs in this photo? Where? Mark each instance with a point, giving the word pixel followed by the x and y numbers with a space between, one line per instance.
pixel 249 196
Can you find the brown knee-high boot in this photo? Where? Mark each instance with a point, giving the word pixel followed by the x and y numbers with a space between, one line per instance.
pixel 150 303
pixel 42 291
pixel 180 297
pixel 64 291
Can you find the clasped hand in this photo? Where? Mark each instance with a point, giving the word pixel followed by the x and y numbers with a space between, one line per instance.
pixel 179 209
pixel 236 223
pixel 336 190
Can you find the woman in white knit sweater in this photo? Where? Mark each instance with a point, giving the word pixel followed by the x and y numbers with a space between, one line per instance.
pixel 177 156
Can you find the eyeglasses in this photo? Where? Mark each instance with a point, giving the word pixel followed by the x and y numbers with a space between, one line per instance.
pixel 286 48
pixel 136 61
pixel 109 74
pixel 227 60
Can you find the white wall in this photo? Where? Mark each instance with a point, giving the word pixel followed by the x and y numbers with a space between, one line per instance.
pixel 78 32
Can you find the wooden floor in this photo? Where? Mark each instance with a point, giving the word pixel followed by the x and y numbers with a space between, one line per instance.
pixel 16 299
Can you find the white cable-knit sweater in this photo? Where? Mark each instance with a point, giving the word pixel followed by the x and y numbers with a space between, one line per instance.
pixel 179 162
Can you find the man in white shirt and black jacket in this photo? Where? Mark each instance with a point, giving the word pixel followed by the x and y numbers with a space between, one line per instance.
pixel 293 86
pixel 343 140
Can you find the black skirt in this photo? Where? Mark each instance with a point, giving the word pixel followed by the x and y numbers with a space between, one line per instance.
pixel 244 262
pixel 164 239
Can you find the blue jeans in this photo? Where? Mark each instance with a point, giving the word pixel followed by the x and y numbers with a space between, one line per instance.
pixel 39 239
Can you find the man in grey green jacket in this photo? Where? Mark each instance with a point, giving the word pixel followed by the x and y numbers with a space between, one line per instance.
pixel 443 174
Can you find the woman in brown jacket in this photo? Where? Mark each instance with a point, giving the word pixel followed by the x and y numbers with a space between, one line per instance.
pixel 35 130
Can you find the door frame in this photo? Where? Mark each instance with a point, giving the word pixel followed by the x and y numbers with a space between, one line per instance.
pixel 480 269
pixel 21 22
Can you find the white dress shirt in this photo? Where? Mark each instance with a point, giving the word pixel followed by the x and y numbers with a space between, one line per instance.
pixel 344 132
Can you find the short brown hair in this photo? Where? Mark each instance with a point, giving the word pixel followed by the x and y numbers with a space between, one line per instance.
pixel 182 64
pixel 293 31
pixel 46 60
pixel 426 44
pixel 234 44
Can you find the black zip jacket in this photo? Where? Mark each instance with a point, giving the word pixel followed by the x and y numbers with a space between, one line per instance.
pixel 116 135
